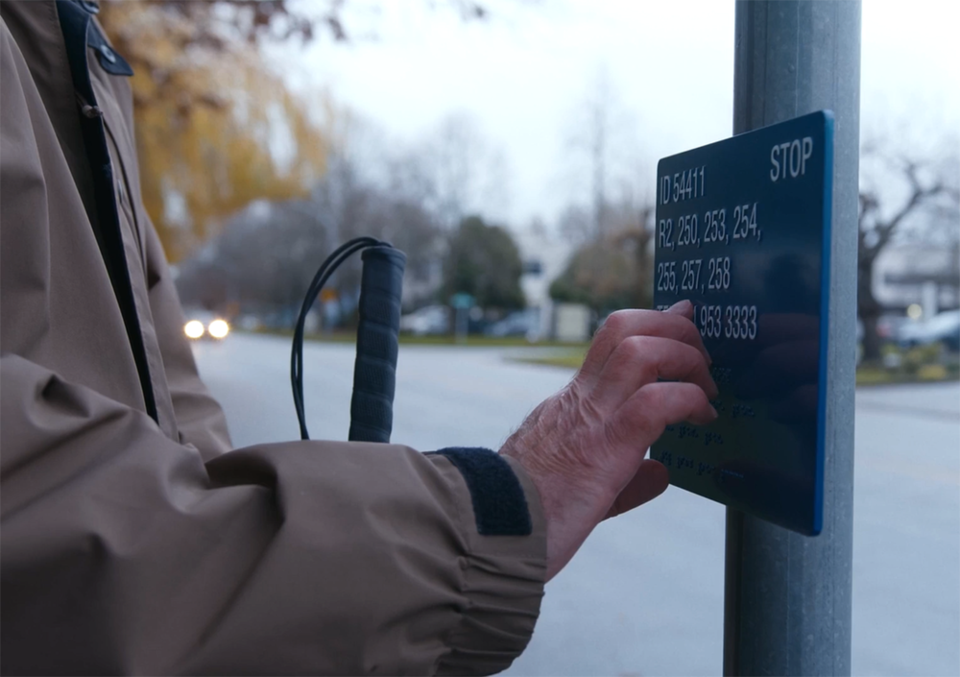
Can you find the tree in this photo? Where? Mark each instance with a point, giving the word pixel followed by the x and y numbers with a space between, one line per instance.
pixel 358 198
pixel 901 197
pixel 263 260
pixel 612 271
pixel 612 266
pixel 460 170
pixel 484 261
pixel 634 229
pixel 267 254
pixel 215 23
pixel 577 225
pixel 215 128
pixel 601 141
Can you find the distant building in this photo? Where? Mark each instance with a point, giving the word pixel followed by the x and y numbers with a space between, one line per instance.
pixel 544 257
pixel 920 273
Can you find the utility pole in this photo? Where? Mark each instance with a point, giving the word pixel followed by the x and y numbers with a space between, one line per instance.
pixel 787 608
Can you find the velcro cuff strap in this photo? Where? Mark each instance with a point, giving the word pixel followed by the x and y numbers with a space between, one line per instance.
pixel 498 500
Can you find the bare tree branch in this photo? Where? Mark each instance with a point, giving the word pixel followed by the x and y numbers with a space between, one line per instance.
pixel 278 19
pixel 919 196
pixel 927 183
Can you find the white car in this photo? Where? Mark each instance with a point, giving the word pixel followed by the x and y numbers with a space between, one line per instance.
pixel 430 320
pixel 942 328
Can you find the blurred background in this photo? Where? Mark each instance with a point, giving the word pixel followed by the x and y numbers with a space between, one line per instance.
pixel 509 147
pixel 518 131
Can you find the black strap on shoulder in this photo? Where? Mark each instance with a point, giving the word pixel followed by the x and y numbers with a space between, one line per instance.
pixel 77 27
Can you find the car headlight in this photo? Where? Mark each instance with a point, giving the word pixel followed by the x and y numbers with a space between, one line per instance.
pixel 193 329
pixel 218 329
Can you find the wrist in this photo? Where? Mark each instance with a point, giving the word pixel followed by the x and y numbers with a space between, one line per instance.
pixel 572 506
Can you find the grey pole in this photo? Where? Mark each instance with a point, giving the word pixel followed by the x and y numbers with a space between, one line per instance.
pixel 787 602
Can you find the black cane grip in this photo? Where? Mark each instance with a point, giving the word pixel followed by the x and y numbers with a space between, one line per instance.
pixel 374 372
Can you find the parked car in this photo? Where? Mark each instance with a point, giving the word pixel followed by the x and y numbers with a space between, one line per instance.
pixel 427 321
pixel 520 323
pixel 888 326
pixel 943 328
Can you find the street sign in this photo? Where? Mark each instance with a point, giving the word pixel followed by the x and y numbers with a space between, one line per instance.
pixel 743 231
pixel 462 300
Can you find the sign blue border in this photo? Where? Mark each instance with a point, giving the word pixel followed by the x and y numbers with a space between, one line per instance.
pixel 825 282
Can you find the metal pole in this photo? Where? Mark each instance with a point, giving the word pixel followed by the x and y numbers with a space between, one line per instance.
pixel 787 608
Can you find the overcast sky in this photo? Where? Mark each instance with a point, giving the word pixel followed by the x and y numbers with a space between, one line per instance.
pixel 523 73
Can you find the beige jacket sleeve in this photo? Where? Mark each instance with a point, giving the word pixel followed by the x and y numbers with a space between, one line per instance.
pixel 122 552
pixel 125 550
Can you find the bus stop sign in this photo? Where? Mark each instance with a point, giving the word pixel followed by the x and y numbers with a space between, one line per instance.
pixel 743 231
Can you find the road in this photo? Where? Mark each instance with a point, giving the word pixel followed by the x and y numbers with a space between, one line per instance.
pixel 645 594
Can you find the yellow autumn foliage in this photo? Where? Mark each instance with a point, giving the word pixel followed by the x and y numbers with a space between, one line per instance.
pixel 216 129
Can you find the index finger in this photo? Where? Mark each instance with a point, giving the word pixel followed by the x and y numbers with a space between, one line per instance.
pixel 623 324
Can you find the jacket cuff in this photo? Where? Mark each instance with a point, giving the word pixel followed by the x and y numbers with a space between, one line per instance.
pixel 502 576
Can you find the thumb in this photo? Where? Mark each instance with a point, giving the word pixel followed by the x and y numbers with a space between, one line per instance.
pixel 650 481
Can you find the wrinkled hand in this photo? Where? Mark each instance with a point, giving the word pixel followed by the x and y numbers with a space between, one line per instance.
pixel 584 447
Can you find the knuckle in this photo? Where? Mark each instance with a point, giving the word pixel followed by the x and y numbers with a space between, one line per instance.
pixel 652 400
pixel 630 348
pixel 671 402
pixel 633 353
pixel 639 343
pixel 615 324
pixel 621 322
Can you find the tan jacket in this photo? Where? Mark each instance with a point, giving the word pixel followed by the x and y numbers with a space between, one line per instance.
pixel 131 543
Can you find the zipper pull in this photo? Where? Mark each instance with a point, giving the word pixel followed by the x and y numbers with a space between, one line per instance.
pixel 88 110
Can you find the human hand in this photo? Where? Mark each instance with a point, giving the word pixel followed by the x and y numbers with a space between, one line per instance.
pixel 584 447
